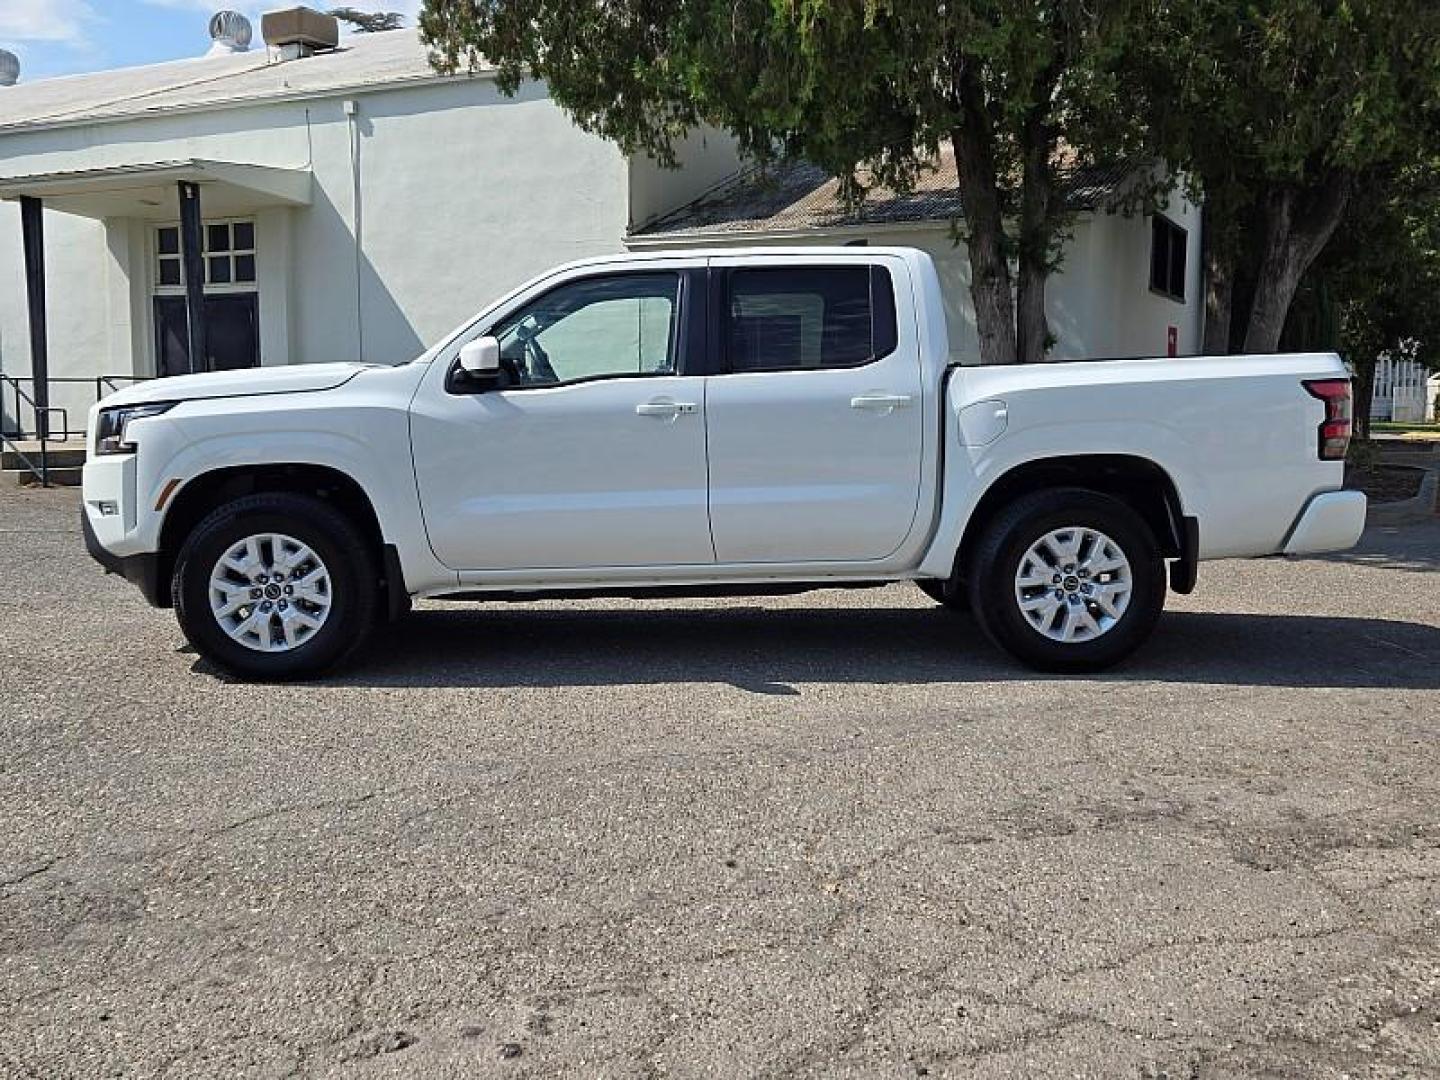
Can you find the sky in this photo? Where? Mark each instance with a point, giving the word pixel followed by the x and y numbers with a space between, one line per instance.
pixel 64 37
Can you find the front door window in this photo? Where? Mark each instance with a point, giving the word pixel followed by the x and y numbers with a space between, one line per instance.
pixel 598 328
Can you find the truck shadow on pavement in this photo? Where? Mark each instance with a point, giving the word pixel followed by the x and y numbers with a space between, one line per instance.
pixel 1414 548
pixel 771 651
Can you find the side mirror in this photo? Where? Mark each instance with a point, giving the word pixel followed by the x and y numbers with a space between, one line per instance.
pixel 480 358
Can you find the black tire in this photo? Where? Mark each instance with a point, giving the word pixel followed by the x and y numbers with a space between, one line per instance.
pixel 945 592
pixel 1004 543
pixel 346 553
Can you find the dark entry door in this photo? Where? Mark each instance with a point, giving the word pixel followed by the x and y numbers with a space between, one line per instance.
pixel 232 333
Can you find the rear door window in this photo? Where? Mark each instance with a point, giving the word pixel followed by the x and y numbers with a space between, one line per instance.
pixel 808 317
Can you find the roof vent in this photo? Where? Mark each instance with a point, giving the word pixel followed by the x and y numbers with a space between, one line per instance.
pixel 299 31
pixel 229 33
pixel 9 68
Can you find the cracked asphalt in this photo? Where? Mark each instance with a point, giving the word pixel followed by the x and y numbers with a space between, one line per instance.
pixel 831 835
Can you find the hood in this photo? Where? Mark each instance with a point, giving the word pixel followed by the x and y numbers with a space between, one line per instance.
pixel 291 379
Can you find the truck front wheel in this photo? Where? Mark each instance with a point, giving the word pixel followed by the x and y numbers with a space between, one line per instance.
pixel 275 586
pixel 1067 580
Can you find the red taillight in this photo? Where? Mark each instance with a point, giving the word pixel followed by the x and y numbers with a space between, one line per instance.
pixel 1335 428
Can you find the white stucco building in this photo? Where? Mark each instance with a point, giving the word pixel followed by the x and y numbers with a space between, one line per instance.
pixel 356 205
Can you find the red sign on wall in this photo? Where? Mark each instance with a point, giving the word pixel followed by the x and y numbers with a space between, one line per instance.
pixel 1172 341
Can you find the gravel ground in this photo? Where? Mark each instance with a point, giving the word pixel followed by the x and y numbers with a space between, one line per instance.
pixel 832 834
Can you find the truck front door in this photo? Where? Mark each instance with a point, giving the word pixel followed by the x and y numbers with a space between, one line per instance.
pixel 591 453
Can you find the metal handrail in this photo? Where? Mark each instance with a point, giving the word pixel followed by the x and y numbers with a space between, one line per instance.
pixel 102 385
pixel 44 431
pixel 43 471
pixel 41 429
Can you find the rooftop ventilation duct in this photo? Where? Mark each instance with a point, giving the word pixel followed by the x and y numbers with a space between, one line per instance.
pixel 229 33
pixel 299 31
pixel 9 68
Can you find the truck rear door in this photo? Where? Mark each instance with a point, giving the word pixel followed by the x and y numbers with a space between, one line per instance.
pixel 814 419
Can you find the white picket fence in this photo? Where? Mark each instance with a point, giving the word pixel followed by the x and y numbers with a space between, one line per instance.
pixel 1402 391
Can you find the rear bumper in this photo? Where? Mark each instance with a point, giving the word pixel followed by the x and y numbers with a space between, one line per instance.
pixel 142 571
pixel 1331 521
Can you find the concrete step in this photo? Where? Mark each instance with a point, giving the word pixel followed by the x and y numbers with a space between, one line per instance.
pixel 68 454
pixel 67 476
pixel 62 460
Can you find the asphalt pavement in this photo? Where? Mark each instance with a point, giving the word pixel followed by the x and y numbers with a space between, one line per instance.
pixel 833 834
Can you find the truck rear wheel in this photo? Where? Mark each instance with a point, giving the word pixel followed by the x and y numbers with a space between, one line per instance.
pixel 1068 580
pixel 275 586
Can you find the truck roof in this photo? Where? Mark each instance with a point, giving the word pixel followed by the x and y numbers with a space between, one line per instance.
pixel 757 251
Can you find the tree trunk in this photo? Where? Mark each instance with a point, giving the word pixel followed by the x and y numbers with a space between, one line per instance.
pixel 1361 389
pixel 973 139
pixel 1032 331
pixel 1219 300
pixel 1295 233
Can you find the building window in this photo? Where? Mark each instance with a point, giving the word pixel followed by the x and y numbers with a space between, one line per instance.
pixel 1167 258
pixel 228 255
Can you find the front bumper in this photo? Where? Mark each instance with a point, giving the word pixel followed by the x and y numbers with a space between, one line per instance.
pixel 1331 521
pixel 143 571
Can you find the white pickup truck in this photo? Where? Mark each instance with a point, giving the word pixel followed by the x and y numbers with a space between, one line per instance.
pixel 760 421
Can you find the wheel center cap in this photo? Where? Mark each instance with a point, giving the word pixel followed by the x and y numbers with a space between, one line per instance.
pixel 1072 583
pixel 272 592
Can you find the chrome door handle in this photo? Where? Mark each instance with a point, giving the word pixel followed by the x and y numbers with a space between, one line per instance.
pixel 880 402
pixel 665 410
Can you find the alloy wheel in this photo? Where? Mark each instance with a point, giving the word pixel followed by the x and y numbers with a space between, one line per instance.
pixel 1073 584
pixel 269 592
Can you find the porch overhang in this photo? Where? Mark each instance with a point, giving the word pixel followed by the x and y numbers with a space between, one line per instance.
pixel 148 190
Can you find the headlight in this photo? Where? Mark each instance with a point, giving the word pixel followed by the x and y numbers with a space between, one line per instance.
pixel 110 427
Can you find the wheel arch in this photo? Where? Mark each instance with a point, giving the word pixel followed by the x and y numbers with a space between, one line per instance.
pixel 203 493
pixel 1142 484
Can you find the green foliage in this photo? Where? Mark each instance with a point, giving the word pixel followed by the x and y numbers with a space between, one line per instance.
pixel 1255 91
pixel 838 82
pixel 368 22
pixel 844 83
pixel 1373 291
pixel 1278 111
pixel 1386 266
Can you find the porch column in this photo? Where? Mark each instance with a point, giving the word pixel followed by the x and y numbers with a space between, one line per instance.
pixel 32 228
pixel 190 245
